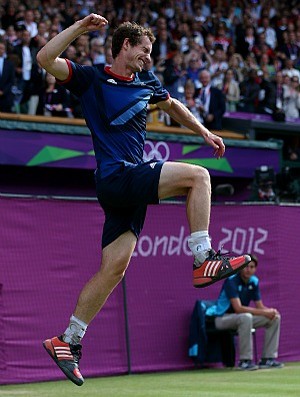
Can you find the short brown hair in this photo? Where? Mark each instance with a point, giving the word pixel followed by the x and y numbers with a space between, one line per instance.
pixel 131 31
pixel 254 259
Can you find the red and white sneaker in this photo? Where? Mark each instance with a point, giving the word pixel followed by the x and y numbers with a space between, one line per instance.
pixel 67 357
pixel 217 267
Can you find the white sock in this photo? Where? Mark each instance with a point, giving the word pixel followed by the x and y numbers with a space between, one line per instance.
pixel 199 244
pixel 75 331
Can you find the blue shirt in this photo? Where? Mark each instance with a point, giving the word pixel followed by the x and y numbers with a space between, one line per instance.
pixel 115 110
pixel 235 287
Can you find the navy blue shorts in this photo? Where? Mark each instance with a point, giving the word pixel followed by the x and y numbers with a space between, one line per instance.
pixel 124 196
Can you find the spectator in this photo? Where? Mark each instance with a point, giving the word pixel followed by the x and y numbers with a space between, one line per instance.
pixel 245 40
pixel 211 103
pixel 209 44
pixel 289 46
pixel 161 46
pixel 108 59
pixel 189 99
pixel 221 39
pixel 101 34
pixel 10 37
pixel 269 32
pixel 290 70
pixel 195 65
pixel 36 88
pixel 218 67
pixel 174 75
pixel 279 87
pixel 261 47
pixel 280 29
pixel 9 17
pixel 236 64
pixel 250 63
pixel 291 106
pixel 71 53
pixel 97 51
pixel 297 36
pixel 232 311
pixel 82 45
pixel 255 11
pixel 198 32
pixel 249 90
pixel 54 100
pixel 185 34
pixel 267 94
pixel 291 98
pixel 40 39
pixel 30 24
pixel 204 7
pixel 56 22
pixel 7 78
pixel 19 32
pixel 231 90
pixel 27 57
pixel 266 66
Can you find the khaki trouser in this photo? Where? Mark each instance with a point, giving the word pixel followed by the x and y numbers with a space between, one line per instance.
pixel 243 323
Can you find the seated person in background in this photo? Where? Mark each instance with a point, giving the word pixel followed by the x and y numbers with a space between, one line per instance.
pixel 232 311
pixel 267 94
pixel 174 75
pixel 54 100
pixel 211 103
pixel 189 100
pixel 7 78
pixel 249 92
pixel 231 90
pixel 291 98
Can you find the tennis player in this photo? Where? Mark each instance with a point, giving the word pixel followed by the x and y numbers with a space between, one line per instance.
pixel 114 103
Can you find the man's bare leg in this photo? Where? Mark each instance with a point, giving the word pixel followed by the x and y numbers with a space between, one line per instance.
pixel 180 179
pixel 194 182
pixel 66 350
pixel 115 259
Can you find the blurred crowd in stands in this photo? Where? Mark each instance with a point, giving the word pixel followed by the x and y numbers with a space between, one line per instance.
pixel 215 56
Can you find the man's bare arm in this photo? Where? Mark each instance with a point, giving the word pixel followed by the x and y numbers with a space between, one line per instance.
pixel 182 115
pixel 48 56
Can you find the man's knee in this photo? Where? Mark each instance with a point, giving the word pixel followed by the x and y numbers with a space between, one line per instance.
pixel 245 319
pixel 277 319
pixel 200 175
pixel 113 268
pixel 202 172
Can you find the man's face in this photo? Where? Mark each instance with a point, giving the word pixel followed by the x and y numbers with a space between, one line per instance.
pixel 204 78
pixel 26 37
pixel 248 271
pixel 138 57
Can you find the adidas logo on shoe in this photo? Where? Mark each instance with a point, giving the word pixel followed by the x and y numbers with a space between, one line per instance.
pixel 217 267
pixel 67 357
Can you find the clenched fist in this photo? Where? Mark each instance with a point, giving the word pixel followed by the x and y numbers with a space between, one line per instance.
pixel 93 22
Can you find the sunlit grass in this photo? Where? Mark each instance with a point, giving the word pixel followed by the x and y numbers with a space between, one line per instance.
pixel 283 382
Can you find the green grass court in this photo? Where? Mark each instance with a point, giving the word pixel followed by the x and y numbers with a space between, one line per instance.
pixel 283 382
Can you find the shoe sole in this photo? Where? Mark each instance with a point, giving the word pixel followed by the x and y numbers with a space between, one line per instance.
pixel 215 280
pixel 68 374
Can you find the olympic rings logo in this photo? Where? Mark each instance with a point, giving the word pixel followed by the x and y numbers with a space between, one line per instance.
pixel 156 151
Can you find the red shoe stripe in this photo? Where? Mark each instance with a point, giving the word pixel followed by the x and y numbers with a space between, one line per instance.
pixel 77 373
pixel 236 262
pixel 49 346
